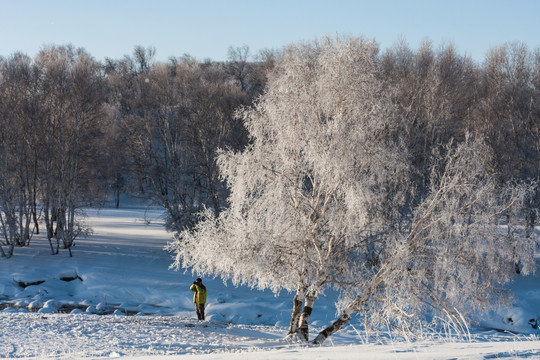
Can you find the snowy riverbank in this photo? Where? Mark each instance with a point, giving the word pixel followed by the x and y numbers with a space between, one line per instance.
pixel 123 269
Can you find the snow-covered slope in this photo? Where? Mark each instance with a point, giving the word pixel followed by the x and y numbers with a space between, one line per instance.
pixel 122 269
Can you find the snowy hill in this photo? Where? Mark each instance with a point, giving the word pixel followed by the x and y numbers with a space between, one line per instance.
pixel 77 307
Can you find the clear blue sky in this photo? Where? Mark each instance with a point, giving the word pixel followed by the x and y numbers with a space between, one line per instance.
pixel 206 28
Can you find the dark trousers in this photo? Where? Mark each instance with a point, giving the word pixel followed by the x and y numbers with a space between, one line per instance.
pixel 200 311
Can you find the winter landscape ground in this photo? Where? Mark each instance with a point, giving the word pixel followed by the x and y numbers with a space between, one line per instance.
pixel 122 301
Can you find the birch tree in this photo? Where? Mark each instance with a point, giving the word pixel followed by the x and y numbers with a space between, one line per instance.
pixel 322 197
pixel 322 176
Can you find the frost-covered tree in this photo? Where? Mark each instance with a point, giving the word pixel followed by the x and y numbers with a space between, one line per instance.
pixel 455 255
pixel 323 176
pixel 322 196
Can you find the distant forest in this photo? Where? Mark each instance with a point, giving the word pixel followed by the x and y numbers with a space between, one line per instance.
pixel 76 132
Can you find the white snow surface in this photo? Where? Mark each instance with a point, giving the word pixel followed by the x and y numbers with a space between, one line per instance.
pixel 125 302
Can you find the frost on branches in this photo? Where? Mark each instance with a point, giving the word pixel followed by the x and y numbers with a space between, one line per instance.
pixel 323 197
pixel 454 255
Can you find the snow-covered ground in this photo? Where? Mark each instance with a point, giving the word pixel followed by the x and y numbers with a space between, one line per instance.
pixel 122 270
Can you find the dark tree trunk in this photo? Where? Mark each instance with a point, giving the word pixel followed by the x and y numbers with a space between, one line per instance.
pixel 337 325
pixel 341 322
pixel 34 201
pixel 117 198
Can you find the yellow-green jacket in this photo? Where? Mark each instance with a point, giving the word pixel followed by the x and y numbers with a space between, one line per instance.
pixel 200 293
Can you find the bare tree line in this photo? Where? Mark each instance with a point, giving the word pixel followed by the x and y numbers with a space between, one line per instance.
pixel 52 122
pixel 75 131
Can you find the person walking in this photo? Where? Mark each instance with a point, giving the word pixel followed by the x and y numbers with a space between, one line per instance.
pixel 199 298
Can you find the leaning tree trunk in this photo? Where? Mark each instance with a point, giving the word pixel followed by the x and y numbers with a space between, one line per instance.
pixel 339 323
pixel 303 329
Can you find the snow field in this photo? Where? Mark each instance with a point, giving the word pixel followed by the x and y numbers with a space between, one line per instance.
pixel 123 269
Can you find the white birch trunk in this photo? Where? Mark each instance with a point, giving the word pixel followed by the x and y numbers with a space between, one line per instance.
pixel 2 253
pixel 297 309
pixel 306 313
